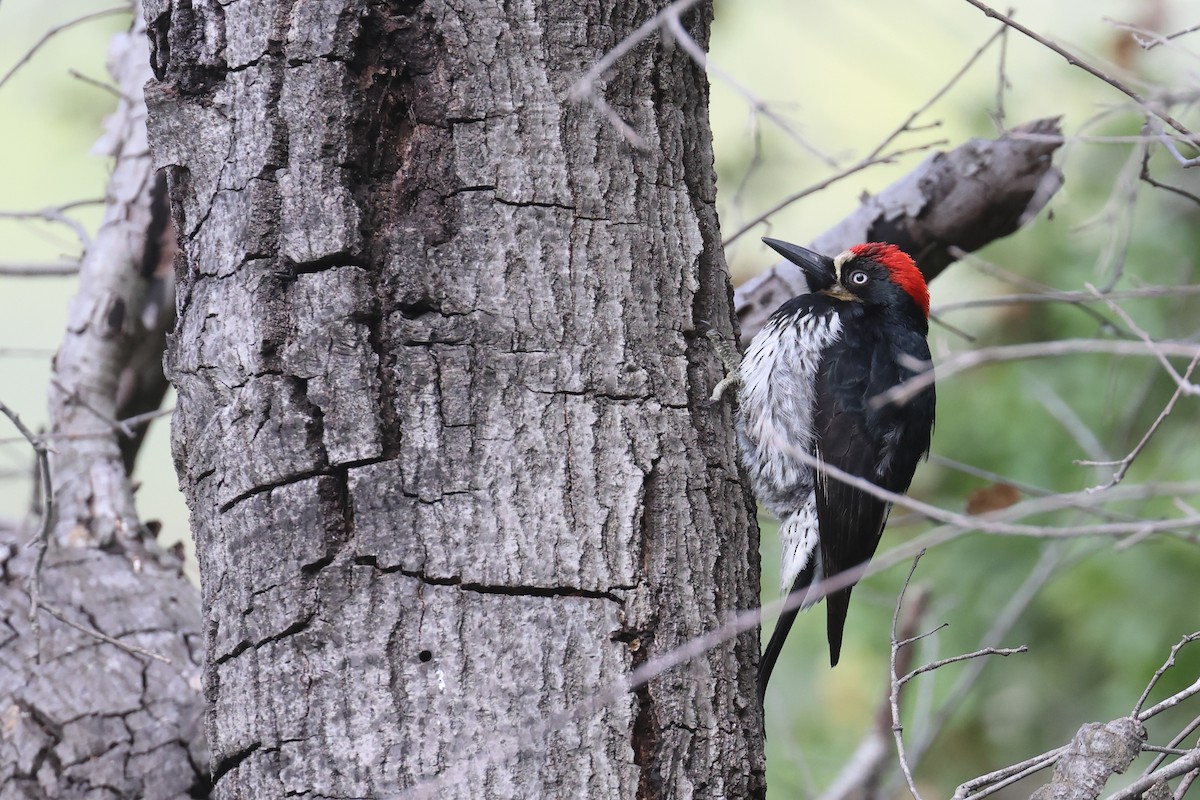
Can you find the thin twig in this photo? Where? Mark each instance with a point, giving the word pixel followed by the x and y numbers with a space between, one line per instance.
pixel 994 522
pixel 1187 731
pixel 41 539
pixel 1175 769
pixel 1072 297
pixel 1047 564
pixel 894 693
pixel 674 26
pixel 918 637
pixel 998 779
pixel 98 84
pixel 132 649
pixel 984 651
pixel 1148 40
pixel 1076 61
pixel 1185 784
pixel 1170 702
pixel 998 116
pixel 824 184
pixel 971 359
pixel 1124 464
pixel 57 29
pixel 584 89
pixel 1185 386
pixel 861 772
pixel 116 425
pixel 1148 178
pixel 939 94
pixel 52 270
pixel 1166 751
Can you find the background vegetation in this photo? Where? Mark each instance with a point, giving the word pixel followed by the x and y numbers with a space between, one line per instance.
pixel 842 76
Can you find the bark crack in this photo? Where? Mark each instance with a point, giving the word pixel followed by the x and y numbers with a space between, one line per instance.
pixel 232 761
pixel 512 590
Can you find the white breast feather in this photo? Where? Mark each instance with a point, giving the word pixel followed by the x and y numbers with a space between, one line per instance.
pixel 775 419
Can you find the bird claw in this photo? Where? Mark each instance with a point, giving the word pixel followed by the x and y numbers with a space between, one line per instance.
pixel 724 385
pixel 730 360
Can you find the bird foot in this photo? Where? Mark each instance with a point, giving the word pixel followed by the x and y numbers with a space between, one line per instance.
pixel 731 361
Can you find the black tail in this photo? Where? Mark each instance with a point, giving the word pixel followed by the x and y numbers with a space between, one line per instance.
pixel 766 664
pixel 837 604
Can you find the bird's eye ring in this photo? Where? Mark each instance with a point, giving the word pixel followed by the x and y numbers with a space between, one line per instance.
pixel 859 278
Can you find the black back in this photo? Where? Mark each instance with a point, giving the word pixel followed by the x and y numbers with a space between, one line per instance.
pixel 881 445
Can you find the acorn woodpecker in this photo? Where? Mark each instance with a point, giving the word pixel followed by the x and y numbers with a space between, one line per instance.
pixel 808 382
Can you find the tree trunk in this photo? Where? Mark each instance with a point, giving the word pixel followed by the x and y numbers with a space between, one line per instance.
pixel 441 418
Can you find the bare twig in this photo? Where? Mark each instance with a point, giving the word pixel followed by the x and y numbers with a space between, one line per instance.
pixel 983 651
pixel 1124 464
pixel 57 29
pixel 1185 784
pixel 994 522
pixel 41 539
pixel 98 84
pixel 1176 740
pixel 1170 702
pixel 132 649
pixel 894 694
pixel 906 125
pixel 1148 178
pixel 53 214
pixel 1047 564
pixel 584 89
pixel 66 268
pixel 1072 297
pixel 993 782
pixel 998 116
pixel 1148 40
pixel 968 360
pixel 131 423
pixel 914 638
pixel 1169 143
pixel 674 26
pixel 861 772
pixel 1185 386
pixel 825 184
pixel 77 398
pixel 1076 61
pixel 1173 770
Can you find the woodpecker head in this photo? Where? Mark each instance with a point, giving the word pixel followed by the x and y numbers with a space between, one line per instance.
pixel 873 274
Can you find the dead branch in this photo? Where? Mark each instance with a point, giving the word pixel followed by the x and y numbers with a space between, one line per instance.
pixel 107 326
pixel 964 198
pixel 1099 750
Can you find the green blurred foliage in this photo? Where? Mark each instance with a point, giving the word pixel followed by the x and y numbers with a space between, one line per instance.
pixel 846 75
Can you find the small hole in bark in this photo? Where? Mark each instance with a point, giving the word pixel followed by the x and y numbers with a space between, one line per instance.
pixel 425 656
pixel 419 308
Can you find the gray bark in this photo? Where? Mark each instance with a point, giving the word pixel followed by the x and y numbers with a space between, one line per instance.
pixel 80 717
pixel 966 198
pixel 1098 751
pixel 441 419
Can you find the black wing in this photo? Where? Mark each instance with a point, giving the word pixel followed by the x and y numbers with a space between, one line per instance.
pixel 880 445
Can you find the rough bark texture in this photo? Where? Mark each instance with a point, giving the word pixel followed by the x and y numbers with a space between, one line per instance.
pixel 90 720
pixel 80 717
pixel 1098 751
pixel 441 415
pixel 977 193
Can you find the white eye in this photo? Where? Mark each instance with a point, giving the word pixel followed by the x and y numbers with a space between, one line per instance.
pixel 859 278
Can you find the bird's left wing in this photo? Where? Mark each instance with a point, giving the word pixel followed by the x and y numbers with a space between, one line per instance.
pixel 866 442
